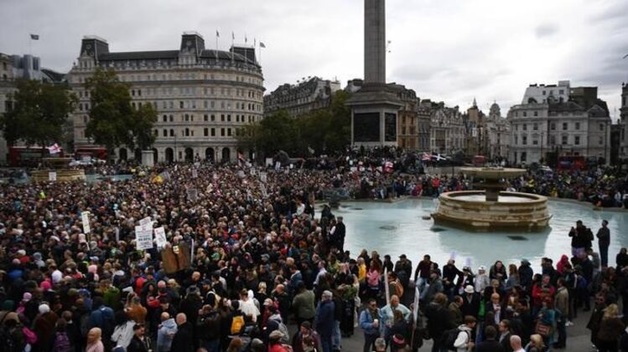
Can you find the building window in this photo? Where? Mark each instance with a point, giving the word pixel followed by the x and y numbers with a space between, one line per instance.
pixel 535 126
pixel 524 140
pixel 536 113
pixel 553 126
pixel 205 131
pixel 552 140
pixel 576 140
pixel 543 92
pixel 561 92
pixel 222 132
pixel 229 132
pixel 601 127
pixel 525 126
pixel 222 117
pixel 524 157
pixel 205 118
pixel 577 126
pixel 535 142
pixel 187 132
pixel 172 133
pixel 564 126
pixel 564 140
pixel 181 105
pixel 165 133
pixel 525 114
pixel 213 118
pixel 213 131
pixel 601 140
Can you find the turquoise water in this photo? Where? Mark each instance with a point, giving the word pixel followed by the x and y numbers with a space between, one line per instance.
pixel 399 228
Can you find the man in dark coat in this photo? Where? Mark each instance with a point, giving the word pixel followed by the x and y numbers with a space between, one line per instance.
pixel 325 320
pixel 490 344
pixel 183 340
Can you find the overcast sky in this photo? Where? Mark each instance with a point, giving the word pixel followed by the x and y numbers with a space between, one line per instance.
pixel 446 50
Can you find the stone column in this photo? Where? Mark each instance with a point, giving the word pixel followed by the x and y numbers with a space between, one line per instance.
pixel 375 41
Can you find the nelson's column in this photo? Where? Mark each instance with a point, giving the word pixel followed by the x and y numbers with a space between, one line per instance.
pixel 374 107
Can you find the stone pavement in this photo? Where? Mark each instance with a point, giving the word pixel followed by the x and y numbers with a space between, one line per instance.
pixel 578 337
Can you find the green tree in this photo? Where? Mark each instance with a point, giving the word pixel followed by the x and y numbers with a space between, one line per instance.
pixel 113 120
pixel 39 113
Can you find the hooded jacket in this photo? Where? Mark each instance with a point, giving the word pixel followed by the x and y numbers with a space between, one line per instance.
pixel 165 335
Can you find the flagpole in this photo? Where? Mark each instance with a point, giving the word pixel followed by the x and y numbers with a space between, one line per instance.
pixel 232 51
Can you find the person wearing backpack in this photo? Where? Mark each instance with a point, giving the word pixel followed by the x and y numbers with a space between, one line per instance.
pixel 463 341
pixel 61 340
pixel 438 320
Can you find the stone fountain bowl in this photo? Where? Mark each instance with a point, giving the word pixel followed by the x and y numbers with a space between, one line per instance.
pixel 514 211
pixel 493 173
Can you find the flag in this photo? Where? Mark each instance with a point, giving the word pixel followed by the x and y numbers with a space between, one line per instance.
pixel 217 34
pixel 254 42
pixel 34 36
pixel 245 39
pixel 232 36
pixel 54 149
pixel 261 45
pixel 426 157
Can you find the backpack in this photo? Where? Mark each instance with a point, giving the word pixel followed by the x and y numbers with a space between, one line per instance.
pixel 62 342
pixel 449 338
pixel 237 323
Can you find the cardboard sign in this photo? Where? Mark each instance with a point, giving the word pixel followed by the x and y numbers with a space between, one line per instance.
pixel 160 237
pixel 52 176
pixel 192 194
pixel 146 221
pixel 85 221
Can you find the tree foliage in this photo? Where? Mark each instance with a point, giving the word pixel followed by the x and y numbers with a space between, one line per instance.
pixel 324 131
pixel 39 113
pixel 113 120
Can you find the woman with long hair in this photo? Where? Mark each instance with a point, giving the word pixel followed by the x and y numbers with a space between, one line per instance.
pixel 536 344
pixel 513 276
pixel 611 328
pixel 94 341
pixel 547 317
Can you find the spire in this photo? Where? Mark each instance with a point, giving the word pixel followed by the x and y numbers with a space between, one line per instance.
pixel 475 104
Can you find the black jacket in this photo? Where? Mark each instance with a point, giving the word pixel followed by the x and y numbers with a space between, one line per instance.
pixel 183 340
pixel 137 345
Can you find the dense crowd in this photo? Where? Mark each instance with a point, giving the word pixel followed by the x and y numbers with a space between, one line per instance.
pixel 247 254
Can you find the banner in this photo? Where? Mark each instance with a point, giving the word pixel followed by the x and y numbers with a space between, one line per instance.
pixel 85 221
pixel 143 237
pixel 160 237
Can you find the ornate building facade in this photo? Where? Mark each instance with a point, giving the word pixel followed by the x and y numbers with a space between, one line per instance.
pixel 577 127
pixel 203 97
pixel 308 95
pixel 498 133
pixel 447 130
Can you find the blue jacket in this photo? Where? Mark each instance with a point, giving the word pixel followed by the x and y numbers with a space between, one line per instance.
pixel 325 318
pixel 366 323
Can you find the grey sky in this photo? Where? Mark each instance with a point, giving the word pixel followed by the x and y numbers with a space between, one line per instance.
pixel 446 50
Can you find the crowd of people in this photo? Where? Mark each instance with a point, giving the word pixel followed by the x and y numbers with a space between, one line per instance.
pixel 245 254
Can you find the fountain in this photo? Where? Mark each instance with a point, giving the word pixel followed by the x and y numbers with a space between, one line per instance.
pixel 491 209
pixel 57 169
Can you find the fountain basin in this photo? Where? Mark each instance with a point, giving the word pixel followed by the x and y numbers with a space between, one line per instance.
pixel 513 211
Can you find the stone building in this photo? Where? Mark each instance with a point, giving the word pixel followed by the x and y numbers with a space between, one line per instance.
pixel 308 95
pixel 408 136
pixel 13 68
pixel 623 122
pixel 476 134
pixel 447 129
pixel 579 127
pixel 498 134
pixel 203 97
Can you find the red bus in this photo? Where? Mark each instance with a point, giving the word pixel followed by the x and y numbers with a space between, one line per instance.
pixel 23 156
pixel 91 153
pixel 571 163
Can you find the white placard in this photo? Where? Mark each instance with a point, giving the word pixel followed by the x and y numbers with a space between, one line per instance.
pixel 194 173
pixel 145 221
pixel 160 237
pixel 143 237
pixel 192 194
pixel 85 221
pixel 263 177
pixel 52 176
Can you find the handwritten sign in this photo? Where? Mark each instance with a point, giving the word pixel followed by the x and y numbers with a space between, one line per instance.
pixel 160 237
pixel 143 237
pixel 85 221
